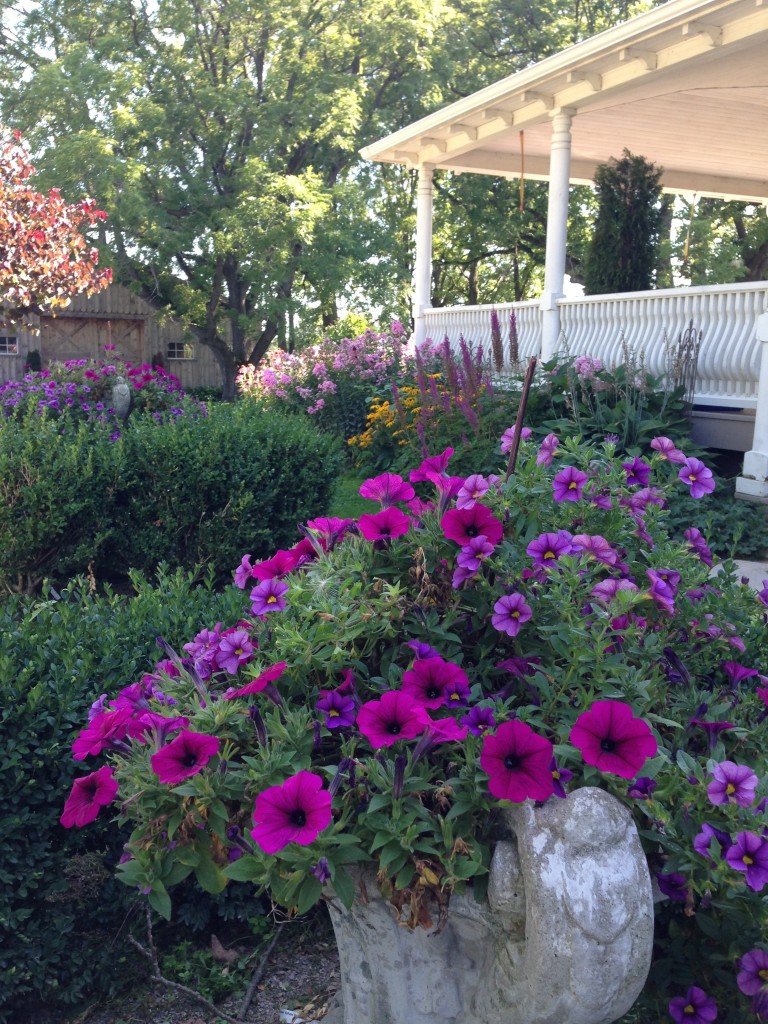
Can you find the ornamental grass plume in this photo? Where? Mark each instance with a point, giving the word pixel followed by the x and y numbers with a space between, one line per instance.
pixel 386 692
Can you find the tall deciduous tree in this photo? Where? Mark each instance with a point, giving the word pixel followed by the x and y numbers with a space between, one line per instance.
pixel 44 257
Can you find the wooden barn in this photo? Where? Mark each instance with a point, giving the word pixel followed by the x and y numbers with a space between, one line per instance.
pixel 116 317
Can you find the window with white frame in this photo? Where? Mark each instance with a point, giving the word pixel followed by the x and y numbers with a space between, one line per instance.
pixel 9 345
pixel 181 350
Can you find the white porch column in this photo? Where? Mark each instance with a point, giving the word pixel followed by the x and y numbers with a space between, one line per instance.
pixel 557 223
pixel 753 483
pixel 422 272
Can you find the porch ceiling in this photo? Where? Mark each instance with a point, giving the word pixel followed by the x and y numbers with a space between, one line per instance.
pixel 684 85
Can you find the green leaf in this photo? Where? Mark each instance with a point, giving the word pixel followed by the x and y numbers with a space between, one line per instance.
pixel 210 876
pixel 160 901
pixel 344 886
pixel 309 894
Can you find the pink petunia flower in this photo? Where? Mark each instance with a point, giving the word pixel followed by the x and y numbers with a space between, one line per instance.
pixel 517 761
pixel 395 716
pixel 261 682
pixel 295 812
pixel 612 739
pixel 102 732
pixel 433 682
pixel 387 489
pixel 384 525
pixel 87 796
pixel 184 756
pixel 243 572
pixel 280 564
pixel 432 464
pixel 462 524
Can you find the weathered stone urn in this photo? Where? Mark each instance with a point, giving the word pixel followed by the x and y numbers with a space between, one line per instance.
pixel 564 937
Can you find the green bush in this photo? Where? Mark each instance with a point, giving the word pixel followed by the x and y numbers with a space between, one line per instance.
pixel 204 491
pixel 61 913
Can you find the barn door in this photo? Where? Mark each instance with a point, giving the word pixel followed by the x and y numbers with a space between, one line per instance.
pixel 76 337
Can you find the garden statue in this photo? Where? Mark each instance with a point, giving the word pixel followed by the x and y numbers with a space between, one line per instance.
pixel 122 399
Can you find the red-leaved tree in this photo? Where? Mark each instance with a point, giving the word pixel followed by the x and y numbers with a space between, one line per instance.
pixel 44 257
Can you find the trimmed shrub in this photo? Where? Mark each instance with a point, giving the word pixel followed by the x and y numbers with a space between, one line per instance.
pixel 61 912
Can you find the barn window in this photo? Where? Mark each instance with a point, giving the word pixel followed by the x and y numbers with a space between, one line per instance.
pixel 8 343
pixel 181 350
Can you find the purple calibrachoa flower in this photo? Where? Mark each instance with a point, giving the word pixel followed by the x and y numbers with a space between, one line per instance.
pixel 509 613
pixel 712 729
pixel 703 840
pixel 387 489
pixel 597 547
pixel 243 572
pixel 642 788
pixel 559 778
pixel 87 796
pixel 547 448
pixel 431 682
pixel 732 784
pixel 384 525
pixel 472 490
pixel 471 555
pixel 184 756
pixel 612 739
pixel 422 650
pixel 568 484
pixel 517 761
pixel 673 885
pixel 638 473
pixel 695 475
pixel 548 547
pixel 269 596
pixel 606 590
pixel 695 1007
pixel 463 524
pixel 752 978
pixel 148 722
pixel 235 649
pixel 697 545
pixel 663 588
pixel 338 708
pixel 666 448
pixel 508 438
pixel 737 673
pixel 395 716
pixel 749 853
pixel 295 812
pixel 763 594
pixel 479 720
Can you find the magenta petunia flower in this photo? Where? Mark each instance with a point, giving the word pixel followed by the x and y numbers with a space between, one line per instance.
pixel 749 853
pixel 184 756
pixel 695 475
pixel 269 596
pixel 517 761
pixel 102 732
pixel 235 649
pixel 261 682
pixel 148 722
pixel 329 530
pixel 732 784
pixel 432 464
pixel 479 720
pixel 695 1007
pixel 280 564
pixel 666 448
pixel 548 547
pixel 753 972
pixel 87 796
pixel 387 489
pixel 295 812
pixel 737 672
pixel 546 453
pixel 432 682
pixel 395 716
pixel 612 739
pixel 509 613
pixel 638 473
pixel 462 524
pixel 568 484
pixel 384 525
pixel 338 709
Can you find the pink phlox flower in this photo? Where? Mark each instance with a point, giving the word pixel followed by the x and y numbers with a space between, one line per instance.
pixel 732 784
pixel 243 572
pixel 749 853
pixel 148 722
pixel 462 524
pixel 546 455
pixel 517 761
pixel 666 448
pixel 568 484
pixel 269 596
pixel 184 756
pixel 638 473
pixel 387 489
pixel 395 716
pixel 235 649
pixel 737 673
pixel 432 464
pixel 337 707
pixel 586 367
pixel 384 525
pixel 87 796
pixel 548 547
pixel 472 554
pixel 280 564
pixel 102 732
pixel 695 1007
pixel 472 490
pixel 695 475
pixel 508 438
pixel 697 545
pixel 262 681
pixel 479 720
pixel 295 812
pixel 597 547
pixel 612 739
pixel 431 682
pixel 509 614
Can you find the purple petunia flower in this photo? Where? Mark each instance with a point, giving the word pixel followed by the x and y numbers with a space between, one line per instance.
pixel 509 613
pixel 695 475
pixel 749 853
pixel 568 484
pixel 517 761
pixel 712 729
pixel 269 596
pixel 732 784
pixel 433 682
pixel 295 812
pixel 695 1007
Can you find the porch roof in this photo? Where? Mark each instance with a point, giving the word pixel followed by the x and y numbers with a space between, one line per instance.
pixel 685 85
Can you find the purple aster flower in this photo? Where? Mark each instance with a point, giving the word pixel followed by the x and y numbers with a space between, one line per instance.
pixel 703 840
pixel 546 454
pixel 478 720
pixel 548 547
pixel 695 1007
pixel 749 853
pixel 568 484
pixel 509 613
pixel 732 784
pixel 338 708
pixel 695 475
pixel 642 788
pixel 666 448
pixel 697 545
pixel 673 885
pixel 638 473
pixel 269 596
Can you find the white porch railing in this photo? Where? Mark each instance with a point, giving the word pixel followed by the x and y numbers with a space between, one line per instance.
pixel 726 315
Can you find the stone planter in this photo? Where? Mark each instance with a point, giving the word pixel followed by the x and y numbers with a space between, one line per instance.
pixel 564 938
